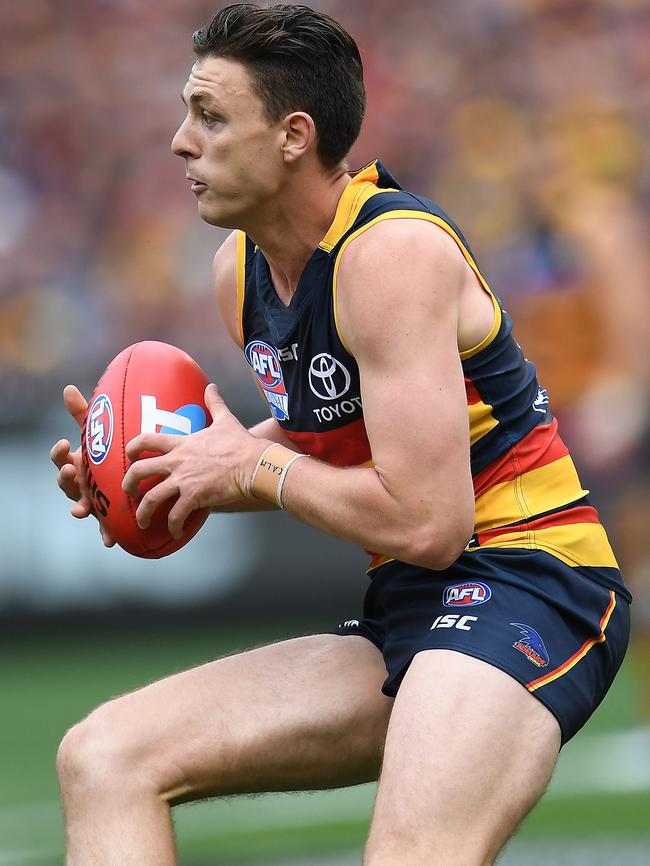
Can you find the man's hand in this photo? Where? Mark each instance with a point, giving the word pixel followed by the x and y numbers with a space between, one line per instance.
pixel 208 469
pixel 72 477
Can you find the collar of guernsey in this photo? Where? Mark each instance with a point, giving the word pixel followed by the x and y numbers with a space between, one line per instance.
pixel 364 183
pixel 527 490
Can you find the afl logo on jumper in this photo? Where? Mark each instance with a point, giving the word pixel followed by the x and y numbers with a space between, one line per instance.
pixel 466 594
pixel 99 429
pixel 328 378
pixel 265 362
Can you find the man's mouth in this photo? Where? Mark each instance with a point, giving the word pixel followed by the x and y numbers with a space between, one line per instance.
pixel 197 185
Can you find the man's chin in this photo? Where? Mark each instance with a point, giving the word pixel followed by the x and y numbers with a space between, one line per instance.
pixel 217 216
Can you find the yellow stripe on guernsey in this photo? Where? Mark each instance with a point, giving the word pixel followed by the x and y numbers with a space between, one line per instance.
pixel 532 492
pixel 241 281
pixel 580 545
pixel 431 218
pixel 481 420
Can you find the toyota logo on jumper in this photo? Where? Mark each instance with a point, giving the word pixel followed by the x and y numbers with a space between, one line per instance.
pixel 328 378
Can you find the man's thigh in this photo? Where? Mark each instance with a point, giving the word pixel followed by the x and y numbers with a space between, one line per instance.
pixel 468 753
pixel 305 713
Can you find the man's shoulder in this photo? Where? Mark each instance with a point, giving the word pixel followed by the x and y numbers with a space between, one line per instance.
pixel 409 235
pixel 388 205
pixel 225 257
pixel 224 271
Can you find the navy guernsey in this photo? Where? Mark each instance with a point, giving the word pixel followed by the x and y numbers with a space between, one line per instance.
pixel 527 491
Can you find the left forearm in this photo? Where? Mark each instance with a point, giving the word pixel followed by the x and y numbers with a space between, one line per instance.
pixel 355 505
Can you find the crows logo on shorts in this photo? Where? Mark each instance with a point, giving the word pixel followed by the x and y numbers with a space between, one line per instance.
pixel 466 594
pixel 531 645
pixel 265 361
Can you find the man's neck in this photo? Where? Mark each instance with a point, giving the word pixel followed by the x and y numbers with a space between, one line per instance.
pixel 292 230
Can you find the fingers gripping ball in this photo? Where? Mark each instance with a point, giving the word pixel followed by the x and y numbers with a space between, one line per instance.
pixel 150 387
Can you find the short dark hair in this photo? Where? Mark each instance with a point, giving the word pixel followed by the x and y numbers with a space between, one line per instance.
pixel 299 60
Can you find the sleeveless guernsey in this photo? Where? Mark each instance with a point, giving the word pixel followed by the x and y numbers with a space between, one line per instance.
pixel 527 491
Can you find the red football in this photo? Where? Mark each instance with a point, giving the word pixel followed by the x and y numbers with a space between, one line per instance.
pixel 149 387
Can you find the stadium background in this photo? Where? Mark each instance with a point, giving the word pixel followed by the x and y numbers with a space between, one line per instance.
pixel 528 121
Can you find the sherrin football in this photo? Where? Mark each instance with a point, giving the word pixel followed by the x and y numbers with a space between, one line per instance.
pixel 150 387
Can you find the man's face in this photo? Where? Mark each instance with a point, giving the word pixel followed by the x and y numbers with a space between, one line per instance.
pixel 230 149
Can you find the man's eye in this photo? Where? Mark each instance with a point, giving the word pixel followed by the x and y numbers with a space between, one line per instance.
pixel 209 119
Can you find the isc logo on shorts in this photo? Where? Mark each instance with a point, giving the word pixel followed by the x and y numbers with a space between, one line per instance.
pixel 454 620
pixel 99 429
pixel 466 594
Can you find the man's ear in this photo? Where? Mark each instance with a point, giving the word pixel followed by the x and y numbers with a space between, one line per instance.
pixel 300 135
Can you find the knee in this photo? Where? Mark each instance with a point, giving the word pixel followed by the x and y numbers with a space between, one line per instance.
pixel 101 753
pixel 91 751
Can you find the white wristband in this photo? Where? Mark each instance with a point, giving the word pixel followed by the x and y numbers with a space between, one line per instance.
pixel 284 475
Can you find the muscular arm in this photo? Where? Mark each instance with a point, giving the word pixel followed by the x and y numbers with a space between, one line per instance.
pixel 398 305
pixel 398 311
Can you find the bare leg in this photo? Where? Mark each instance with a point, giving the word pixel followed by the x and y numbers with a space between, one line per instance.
pixel 468 753
pixel 302 714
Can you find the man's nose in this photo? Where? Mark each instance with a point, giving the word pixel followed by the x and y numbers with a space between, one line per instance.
pixel 183 143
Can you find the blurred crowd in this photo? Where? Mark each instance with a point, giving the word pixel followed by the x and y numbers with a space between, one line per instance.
pixel 527 120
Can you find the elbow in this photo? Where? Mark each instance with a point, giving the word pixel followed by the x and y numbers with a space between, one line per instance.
pixel 438 556
pixel 437 545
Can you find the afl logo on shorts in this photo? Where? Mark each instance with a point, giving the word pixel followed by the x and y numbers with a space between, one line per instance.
pixel 265 362
pixel 99 429
pixel 466 594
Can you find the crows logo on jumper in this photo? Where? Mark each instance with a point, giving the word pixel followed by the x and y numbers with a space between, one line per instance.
pixel 531 645
pixel 540 403
pixel 466 594
pixel 99 429
pixel 265 361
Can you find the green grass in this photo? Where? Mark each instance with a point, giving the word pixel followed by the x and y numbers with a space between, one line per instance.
pixel 274 844
pixel 591 815
pixel 50 682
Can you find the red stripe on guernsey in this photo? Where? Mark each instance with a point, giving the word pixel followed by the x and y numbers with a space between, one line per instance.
pixel 473 395
pixel 580 514
pixel 345 446
pixel 579 654
pixel 538 448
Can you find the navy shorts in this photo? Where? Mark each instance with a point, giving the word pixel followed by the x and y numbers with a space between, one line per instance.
pixel 560 631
